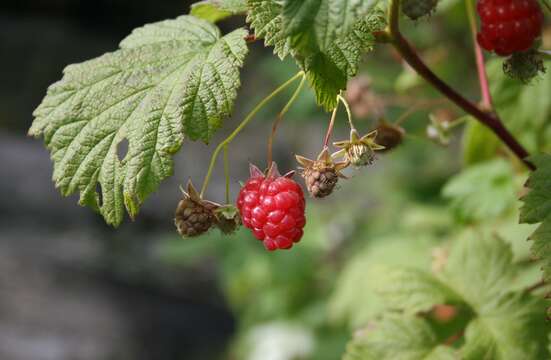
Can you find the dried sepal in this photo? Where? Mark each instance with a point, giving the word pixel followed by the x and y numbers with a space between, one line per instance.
pixel 358 151
pixel 227 219
pixel 321 175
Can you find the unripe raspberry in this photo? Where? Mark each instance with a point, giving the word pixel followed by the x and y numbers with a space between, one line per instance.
pixel 194 216
pixel 272 206
pixel 509 26
pixel 321 175
pixel 389 135
pixel 414 9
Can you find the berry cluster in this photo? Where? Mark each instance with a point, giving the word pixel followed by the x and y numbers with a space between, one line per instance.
pixel 509 26
pixel 272 206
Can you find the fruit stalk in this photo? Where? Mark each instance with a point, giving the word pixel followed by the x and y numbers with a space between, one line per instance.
pixel 279 118
pixel 331 125
pixel 479 56
pixel 486 118
pixel 244 123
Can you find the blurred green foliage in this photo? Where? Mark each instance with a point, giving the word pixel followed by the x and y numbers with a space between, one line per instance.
pixel 448 216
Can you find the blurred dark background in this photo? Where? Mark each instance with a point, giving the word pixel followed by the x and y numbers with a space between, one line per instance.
pixel 70 286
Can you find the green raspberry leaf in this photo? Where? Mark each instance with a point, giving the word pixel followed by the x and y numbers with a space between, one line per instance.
pixel 414 290
pixel 479 274
pixel 216 10
pixel 169 79
pixel 525 110
pixel 398 337
pixel 537 209
pixel 482 191
pixel 318 23
pixel 326 38
pixel 513 327
pixel 266 20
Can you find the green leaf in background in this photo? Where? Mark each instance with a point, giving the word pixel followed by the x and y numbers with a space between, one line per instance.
pixel 414 290
pixel 537 209
pixel 513 327
pixel 216 10
pixel 355 300
pixel 479 143
pixel 398 337
pixel 525 109
pixel 326 38
pixel 482 191
pixel 479 274
pixel 170 78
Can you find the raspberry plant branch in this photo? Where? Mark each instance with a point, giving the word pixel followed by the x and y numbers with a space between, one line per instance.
pixel 410 56
pixel 479 57
pixel 279 118
pixel 242 125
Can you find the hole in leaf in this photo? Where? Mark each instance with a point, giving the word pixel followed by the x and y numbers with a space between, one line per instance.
pixel 122 149
pixel 100 194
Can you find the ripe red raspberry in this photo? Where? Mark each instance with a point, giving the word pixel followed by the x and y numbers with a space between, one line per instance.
pixel 272 206
pixel 509 26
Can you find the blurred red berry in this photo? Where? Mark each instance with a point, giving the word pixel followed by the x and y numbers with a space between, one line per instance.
pixel 272 206
pixel 509 26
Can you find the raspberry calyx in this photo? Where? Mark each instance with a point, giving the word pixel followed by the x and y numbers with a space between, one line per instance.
pixel 272 206
pixel 358 151
pixel 509 26
pixel 321 175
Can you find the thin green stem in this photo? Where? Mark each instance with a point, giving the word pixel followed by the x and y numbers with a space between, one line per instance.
pixel 348 112
pixel 244 123
pixel 227 173
pixel 547 4
pixel 331 125
pixel 279 118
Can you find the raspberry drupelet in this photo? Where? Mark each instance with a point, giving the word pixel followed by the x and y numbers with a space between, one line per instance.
pixel 272 206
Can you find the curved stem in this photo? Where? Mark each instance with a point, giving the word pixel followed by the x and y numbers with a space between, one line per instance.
pixel 488 119
pixel 348 112
pixel 279 118
pixel 479 56
pixel 244 123
pixel 331 125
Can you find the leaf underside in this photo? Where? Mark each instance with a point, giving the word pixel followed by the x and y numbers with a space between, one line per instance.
pixel 169 80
